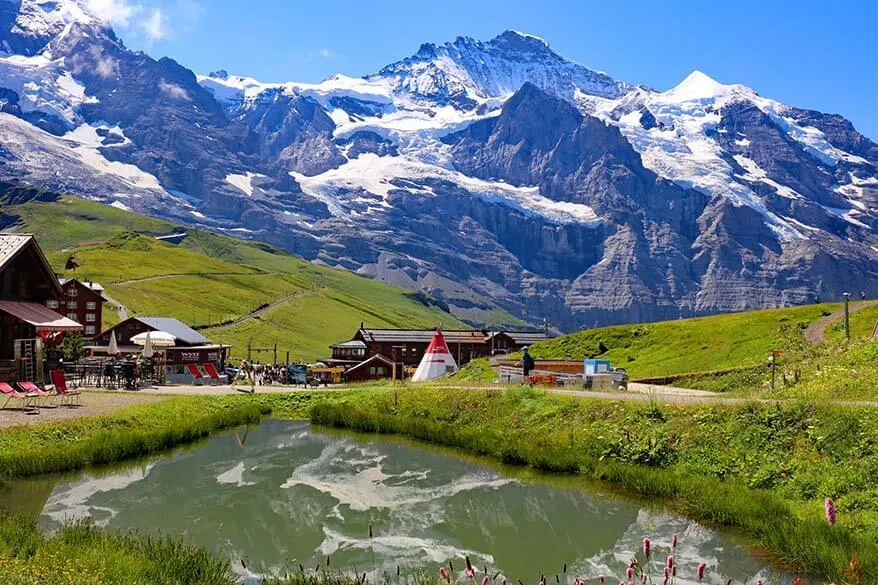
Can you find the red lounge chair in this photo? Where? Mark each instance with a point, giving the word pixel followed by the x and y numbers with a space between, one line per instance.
pixel 31 388
pixel 66 394
pixel 198 376
pixel 215 376
pixel 27 400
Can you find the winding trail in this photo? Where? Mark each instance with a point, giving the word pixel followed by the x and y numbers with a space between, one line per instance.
pixel 815 333
pixel 261 311
pixel 184 274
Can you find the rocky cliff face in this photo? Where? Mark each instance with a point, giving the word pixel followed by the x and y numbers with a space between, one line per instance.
pixel 489 174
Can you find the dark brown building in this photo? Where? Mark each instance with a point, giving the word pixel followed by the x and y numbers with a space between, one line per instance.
pixel 82 302
pixel 376 367
pixel 26 283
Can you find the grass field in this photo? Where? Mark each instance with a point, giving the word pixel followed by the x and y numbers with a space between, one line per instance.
pixel 690 345
pixel 209 279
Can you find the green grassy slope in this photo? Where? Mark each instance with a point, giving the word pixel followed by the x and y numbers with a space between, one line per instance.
pixel 690 345
pixel 210 278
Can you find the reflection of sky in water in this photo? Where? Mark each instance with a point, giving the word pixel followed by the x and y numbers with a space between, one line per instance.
pixel 288 495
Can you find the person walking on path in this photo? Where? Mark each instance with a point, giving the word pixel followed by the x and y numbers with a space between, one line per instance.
pixel 527 364
pixel 247 370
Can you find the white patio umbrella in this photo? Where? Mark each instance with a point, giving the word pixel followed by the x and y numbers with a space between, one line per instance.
pixel 147 347
pixel 113 347
pixel 156 339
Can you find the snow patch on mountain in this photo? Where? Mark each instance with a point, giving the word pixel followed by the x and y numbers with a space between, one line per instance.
pixel 343 188
pixel 86 143
pixel 242 182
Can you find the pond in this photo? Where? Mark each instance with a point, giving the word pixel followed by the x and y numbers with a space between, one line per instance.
pixel 282 493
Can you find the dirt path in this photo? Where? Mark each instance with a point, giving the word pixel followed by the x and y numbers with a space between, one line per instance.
pixel 259 312
pixel 815 331
pixel 184 274
pixel 93 404
pixel 98 402
pixel 121 310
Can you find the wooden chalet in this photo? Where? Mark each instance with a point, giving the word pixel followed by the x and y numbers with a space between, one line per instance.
pixel 27 282
pixel 376 367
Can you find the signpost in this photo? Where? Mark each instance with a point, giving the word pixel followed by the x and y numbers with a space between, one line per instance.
pixel 847 322
pixel 772 361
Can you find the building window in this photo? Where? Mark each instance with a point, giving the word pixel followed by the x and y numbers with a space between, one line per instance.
pixel 90 330
pixel 372 371
pixel 72 292
pixel 91 305
pixel 71 316
pixel 89 317
pixel 71 304
pixel 53 304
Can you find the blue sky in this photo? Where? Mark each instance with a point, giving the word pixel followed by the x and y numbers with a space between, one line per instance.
pixel 818 55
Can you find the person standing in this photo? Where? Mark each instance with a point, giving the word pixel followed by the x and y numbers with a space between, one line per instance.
pixel 527 363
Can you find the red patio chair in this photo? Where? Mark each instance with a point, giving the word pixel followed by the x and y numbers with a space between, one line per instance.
pixel 215 376
pixel 31 388
pixel 69 395
pixel 26 399
pixel 198 376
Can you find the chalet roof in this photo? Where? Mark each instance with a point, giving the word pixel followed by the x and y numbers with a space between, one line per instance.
pixel 526 337
pixel 375 358
pixel 92 286
pixel 176 328
pixel 420 336
pixel 41 317
pixel 354 344
pixel 11 245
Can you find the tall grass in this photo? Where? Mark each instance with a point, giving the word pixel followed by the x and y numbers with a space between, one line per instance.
pixel 83 553
pixel 796 537
pixel 70 445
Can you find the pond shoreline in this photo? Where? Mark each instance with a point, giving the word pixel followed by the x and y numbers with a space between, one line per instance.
pixel 802 541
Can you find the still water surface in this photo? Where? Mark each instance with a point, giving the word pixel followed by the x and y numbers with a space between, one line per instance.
pixel 283 493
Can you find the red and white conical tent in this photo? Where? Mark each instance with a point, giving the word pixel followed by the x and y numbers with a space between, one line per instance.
pixel 437 361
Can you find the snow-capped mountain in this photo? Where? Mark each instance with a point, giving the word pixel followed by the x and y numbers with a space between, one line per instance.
pixel 484 172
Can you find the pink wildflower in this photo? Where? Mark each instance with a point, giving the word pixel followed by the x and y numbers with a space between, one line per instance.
pixel 670 561
pixel 630 573
pixel 601 580
pixel 643 578
pixel 443 572
pixel 667 573
pixel 469 572
pixel 701 569
pixel 829 507
pixel 485 580
pixel 647 547
pixel 674 541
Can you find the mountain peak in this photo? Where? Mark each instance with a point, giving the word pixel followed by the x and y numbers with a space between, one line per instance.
pixel 520 40
pixel 698 85
pixel 467 72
